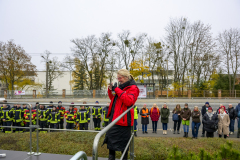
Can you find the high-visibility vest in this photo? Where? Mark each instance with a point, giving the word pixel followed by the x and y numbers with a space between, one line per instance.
pixel 54 117
pixel 97 111
pixel 70 114
pixel 18 115
pixel 44 113
pixel 136 111
pixel 6 114
pixel 105 112
pixel 61 110
pixel 83 116
pixel 145 111
pixel 27 115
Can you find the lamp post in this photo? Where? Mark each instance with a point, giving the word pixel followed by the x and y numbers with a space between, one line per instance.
pixel 47 68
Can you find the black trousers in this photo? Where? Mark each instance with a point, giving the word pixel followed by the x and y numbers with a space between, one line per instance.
pixel 53 126
pixel 7 123
pixel 43 124
pixel 112 155
pixel 210 134
pixel 83 126
pixel 177 124
pixel 61 124
pixel 97 122
pixel 70 125
pixel 203 130
pixel 18 124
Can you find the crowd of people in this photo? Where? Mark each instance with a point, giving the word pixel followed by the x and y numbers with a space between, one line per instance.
pixel 51 116
pixel 221 121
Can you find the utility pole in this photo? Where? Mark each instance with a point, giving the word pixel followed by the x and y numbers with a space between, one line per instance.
pixel 47 79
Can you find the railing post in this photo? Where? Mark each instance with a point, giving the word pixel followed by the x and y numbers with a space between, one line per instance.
pixel 38 153
pixel 189 94
pixel 235 94
pixel 34 93
pixel 132 144
pixel 30 153
pixel 64 93
pixel 219 93
pixel 94 93
pixel 5 94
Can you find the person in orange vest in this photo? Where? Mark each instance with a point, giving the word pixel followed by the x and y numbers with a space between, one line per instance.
pixel 145 118
pixel 154 114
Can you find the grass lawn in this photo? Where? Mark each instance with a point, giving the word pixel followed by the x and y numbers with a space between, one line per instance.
pixel 145 147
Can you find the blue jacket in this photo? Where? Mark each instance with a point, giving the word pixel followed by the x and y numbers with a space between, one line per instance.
pixel 238 119
pixel 237 109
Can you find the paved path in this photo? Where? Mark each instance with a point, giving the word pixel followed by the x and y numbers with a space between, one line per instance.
pixel 19 155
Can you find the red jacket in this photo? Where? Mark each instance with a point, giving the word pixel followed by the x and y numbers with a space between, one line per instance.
pixel 126 98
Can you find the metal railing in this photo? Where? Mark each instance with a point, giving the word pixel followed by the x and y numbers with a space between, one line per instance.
pixel 79 156
pixel 100 134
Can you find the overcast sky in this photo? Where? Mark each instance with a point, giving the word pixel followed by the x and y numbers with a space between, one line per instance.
pixel 41 25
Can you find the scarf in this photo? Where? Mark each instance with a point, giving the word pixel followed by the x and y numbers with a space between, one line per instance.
pixel 210 115
pixel 222 115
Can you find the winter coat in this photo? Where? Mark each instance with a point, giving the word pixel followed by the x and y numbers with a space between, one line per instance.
pixel 196 116
pixel 223 124
pixel 164 114
pixel 155 114
pixel 237 109
pixel 185 113
pixel 238 120
pixel 177 112
pixel 144 119
pixel 122 100
pixel 204 109
pixel 126 95
pixel 209 123
pixel 232 113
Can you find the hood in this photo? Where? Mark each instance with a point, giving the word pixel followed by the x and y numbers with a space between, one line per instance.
pixel 167 106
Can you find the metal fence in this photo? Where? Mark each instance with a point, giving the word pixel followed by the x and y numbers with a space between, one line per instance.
pixel 81 154
pixel 104 94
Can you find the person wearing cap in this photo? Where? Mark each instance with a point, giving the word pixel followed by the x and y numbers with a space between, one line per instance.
pixel 43 114
pixel 136 112
pixel 195 122
pixel 70 116
pixel 18 115
pixel 96 113
pixel 165 112
pixel 210 121
pixel 61 110
pixel 204 111
pixel 54 118
pixel 144 112
pixel 185 115
pixel 83 118
pixel 223 123
pixel 177 118
pixel 232 115
pixel 105 112
pixel 50 106
pixel 35 107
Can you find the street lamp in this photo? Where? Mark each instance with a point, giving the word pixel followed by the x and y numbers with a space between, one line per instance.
pixel 47 67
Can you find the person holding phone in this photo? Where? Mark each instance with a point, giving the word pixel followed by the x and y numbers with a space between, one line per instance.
pixel 126 94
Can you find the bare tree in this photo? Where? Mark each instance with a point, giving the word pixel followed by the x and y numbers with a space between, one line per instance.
pixel 229 47
pixel 55 69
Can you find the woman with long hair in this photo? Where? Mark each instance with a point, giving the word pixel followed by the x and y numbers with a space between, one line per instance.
pixel 177 118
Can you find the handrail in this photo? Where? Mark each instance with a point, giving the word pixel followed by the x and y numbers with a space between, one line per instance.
pixel 79 156
pixel 69 104
pixel 100 134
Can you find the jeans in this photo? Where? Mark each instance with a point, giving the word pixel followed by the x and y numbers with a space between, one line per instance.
pixel 177 124
pixel 195 133
pixel 231 126
pixel 135 125
pixel 186 128
pixel 154 125
pixel 144 127
pixel 164 126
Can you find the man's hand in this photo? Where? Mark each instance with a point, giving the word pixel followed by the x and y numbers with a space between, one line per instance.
pixel 184 119
pixel 4 120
